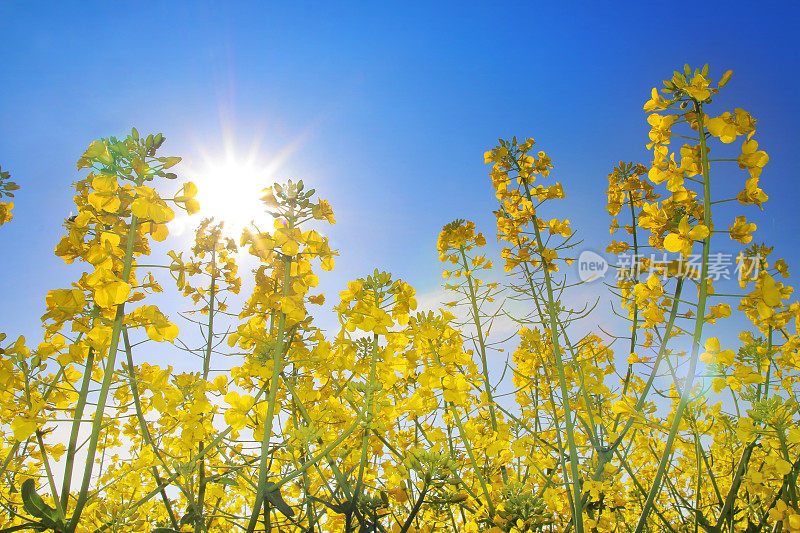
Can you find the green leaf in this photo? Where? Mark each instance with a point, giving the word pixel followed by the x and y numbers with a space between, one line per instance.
pixel 35 506
pixel 273 495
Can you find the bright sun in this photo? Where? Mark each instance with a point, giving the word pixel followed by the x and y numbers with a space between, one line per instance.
pixel 230 192
pixel 230 184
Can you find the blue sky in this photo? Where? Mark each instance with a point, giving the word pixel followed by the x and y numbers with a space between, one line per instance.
pixel 385 108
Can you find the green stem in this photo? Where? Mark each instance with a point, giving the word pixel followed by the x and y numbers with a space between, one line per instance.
pixel 698 331
pixel 577 510
pixel 277 368
pixel 476 318
pixel 467 445
pixel 49 473
pixel 201 492
pixel 633 301
pixel 340 481
pixel 132 383
pixel 108 375
pixel 415 510
pixel 72 446
pixel 211 301
pixel 8 458
pixel 321 454
pixel 369 393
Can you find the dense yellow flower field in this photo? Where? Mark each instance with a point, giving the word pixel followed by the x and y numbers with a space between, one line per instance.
pixel 396 423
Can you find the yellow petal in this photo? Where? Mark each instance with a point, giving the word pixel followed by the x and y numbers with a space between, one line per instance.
pixel 23 427
pixel 712 345
pixel 290 248
pixel 621 407
pixel 112 294
pixel 673 242
pixel 699 232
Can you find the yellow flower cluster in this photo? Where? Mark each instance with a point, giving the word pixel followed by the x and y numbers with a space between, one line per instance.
pixel 505 413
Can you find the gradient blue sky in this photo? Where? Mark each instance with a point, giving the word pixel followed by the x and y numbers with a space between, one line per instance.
pixel 386 108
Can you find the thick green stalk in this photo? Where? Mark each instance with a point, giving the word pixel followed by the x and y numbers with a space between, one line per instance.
pixel 277 368
pixel 698 331
pixel 414 510
pixel 201 492
pixel 370 400
pixel 577 510
pixel 482 346
pixel 562 456
pixel 211 300
pixel 481 342
pixel 321 454
pixel 108 375
pixel 8 458
pixel 310 514
pixel 72 446
pixel 340 481
pixel 471 455
pixel 624 462
pixel 635 307
pixel 662 351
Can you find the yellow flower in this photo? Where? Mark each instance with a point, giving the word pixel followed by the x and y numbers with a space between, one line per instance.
pixel 66 300
pixel 728 125
pixel 327 263
pixel 660 129
pixel 560 227
pixel 457 234
pixel 104 197
pixel 715 354
pixel 149 206
pixel 741 230
pixel 5 212
pixel 186 197
pixel 752 194
pixel 236 415
pixel 752 158
pixel 323 210
pixel 768 297
pixel 158 232
pixel 656 103
pixel 683 240
pixel 158 327
pixel 25 424
pixel 97 151
pixel 698 88
pixel 625 406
